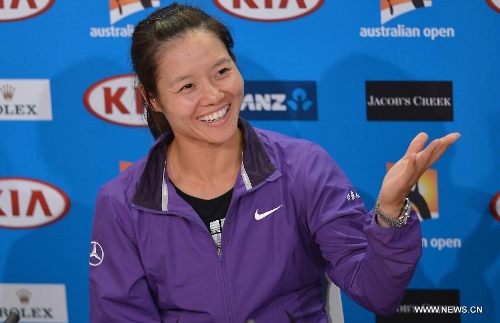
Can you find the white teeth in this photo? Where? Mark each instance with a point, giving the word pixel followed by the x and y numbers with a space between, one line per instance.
pixel 215 116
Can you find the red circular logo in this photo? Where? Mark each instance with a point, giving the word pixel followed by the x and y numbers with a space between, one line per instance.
pixel 495 206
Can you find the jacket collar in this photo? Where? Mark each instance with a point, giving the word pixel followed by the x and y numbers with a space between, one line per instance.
pixel 151 191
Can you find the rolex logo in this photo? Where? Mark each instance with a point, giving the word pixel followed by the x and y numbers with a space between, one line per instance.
pixel 24 295
pixel 7 91
pixel 24 99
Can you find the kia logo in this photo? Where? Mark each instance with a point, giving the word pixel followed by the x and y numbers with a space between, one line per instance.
pixel 30 203
pixel 495 206
pixel 495 4
pixel 269 10
pixel 13 10
pixel 114 100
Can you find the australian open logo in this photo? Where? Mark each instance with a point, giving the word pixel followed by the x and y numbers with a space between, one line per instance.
pixel 119 10
pixel 280 100
pixel 390 9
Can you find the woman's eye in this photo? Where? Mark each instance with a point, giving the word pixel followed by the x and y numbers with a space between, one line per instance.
pixel 187 86
pixel 223 71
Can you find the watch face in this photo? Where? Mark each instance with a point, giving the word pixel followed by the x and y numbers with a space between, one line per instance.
pixel 495 206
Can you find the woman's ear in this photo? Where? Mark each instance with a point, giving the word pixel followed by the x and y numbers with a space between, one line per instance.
pixel 149 100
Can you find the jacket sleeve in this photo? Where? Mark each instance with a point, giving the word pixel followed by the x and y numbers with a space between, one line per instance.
pixel 118 288
pixel 373 265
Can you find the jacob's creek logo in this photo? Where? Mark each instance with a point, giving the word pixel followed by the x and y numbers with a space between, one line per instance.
pixel 495 4
pixel 409 100
pixel 25 100
pixel 118 10
pixel 14 10
pixel 114 100
pixel 34 302
pixel 391 9
pixel 269 10
pixel 29 203
pixel 273 100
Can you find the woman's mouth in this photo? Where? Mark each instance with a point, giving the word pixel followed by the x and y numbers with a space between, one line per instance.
pixel 213 117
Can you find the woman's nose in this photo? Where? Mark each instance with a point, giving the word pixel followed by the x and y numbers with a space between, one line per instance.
pixel 210 94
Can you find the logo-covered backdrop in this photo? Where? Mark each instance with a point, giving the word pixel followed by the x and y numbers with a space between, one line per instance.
pixel 360 80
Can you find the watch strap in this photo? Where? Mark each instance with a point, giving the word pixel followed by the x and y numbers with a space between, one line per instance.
pixel 398 222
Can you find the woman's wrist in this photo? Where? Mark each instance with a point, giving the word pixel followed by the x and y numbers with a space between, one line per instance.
pixel 391 210
pixel 387 220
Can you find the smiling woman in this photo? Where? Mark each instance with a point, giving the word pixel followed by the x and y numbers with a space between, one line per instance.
pixel 224 222
pixel 199 90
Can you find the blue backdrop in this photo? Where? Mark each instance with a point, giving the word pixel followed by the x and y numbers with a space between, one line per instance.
pixel 333 48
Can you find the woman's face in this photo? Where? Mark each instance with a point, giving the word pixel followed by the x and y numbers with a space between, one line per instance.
pixel 200 89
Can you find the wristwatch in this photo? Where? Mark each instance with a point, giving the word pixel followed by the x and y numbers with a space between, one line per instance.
pixel 400 221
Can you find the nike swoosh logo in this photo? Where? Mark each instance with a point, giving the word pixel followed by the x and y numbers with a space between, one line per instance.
pixel 260 216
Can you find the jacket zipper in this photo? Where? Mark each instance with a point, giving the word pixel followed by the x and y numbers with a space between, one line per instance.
pixel 219 255
pixel 218 248
pixel 219 252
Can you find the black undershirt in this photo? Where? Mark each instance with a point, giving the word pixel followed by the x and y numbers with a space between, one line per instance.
pixel 209 211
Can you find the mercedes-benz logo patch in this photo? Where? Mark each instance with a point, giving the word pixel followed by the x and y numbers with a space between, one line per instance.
pixel 96 254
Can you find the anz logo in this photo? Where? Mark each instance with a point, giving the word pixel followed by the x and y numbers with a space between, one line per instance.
pixel 276 100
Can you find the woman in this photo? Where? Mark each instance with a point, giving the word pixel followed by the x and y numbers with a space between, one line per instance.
pixel 222 222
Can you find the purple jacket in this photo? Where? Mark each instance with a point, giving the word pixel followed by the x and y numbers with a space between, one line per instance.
pixel 293 215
